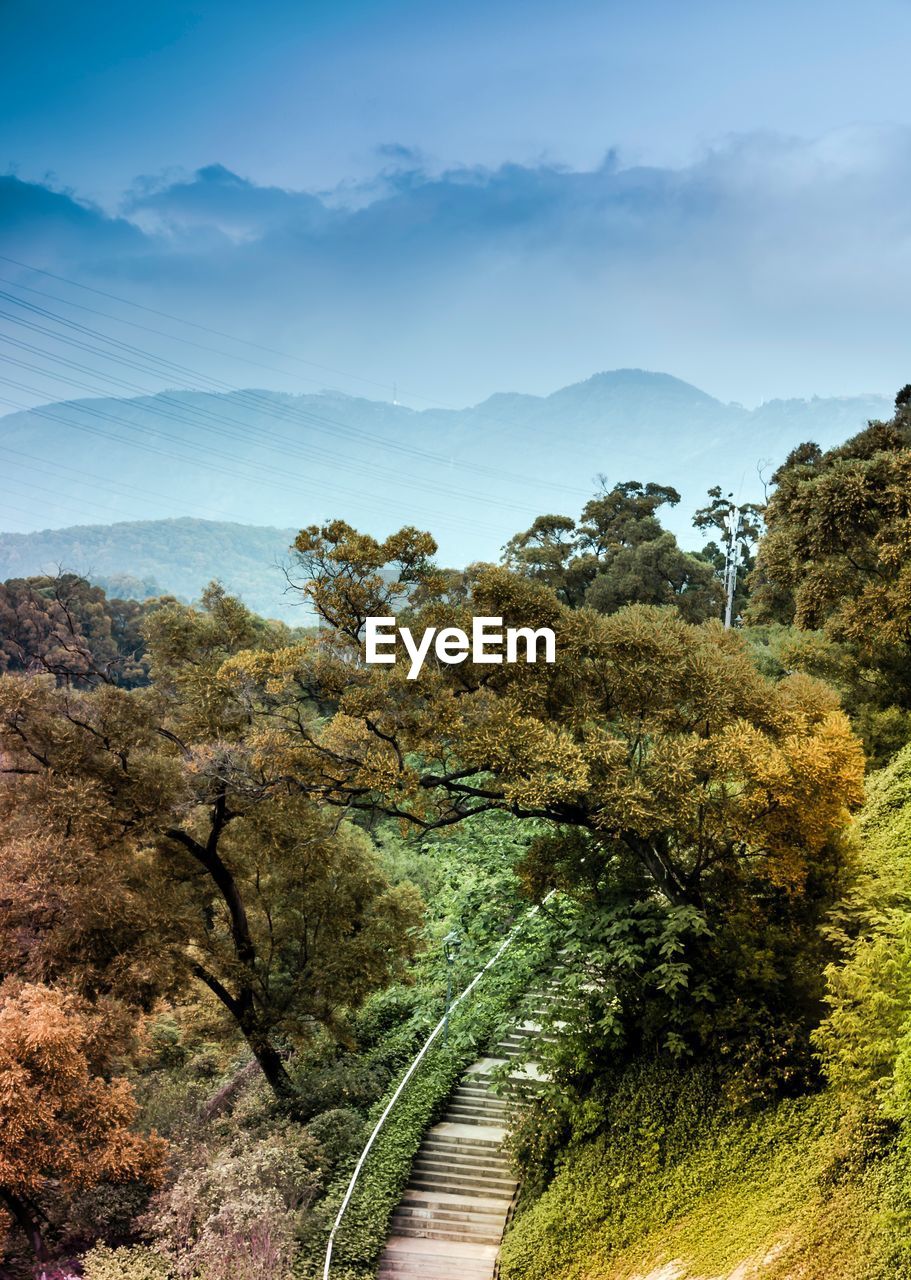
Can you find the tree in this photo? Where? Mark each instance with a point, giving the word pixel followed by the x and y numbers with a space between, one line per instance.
pixel 837 550
pixel 687 774
pixel 67 627
pixel 617 554
pixel 738 527
pixel 61 1121
pixel 149 843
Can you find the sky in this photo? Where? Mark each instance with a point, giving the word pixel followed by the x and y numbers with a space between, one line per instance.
pixel 439 201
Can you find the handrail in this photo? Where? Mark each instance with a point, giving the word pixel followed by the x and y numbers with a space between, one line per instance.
pixel 414 1066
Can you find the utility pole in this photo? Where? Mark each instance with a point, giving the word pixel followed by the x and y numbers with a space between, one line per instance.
pixel 739 526
pixel 732 562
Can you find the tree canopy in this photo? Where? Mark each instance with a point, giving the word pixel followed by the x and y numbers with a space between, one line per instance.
pixel 145 848
pixel 837 551
pixel 616 554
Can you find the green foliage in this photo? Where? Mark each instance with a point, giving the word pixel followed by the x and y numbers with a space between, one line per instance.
pixel 617 554
pixel 834 560
pixel 867 694
pixel 677 1175
pixel 737 980
pixel 865 1041
pixel 136 1263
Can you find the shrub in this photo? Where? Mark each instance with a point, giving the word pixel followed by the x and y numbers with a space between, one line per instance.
pixel 139 1263
pixel 235 1213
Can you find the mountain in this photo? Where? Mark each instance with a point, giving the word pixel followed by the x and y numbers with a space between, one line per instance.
pixel 473 476
pixel 143 558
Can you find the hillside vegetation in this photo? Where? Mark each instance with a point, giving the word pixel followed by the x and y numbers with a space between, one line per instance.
pixel 140 559
pixel 231 854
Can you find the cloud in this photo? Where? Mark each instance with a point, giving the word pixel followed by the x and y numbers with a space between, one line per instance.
pixel 35 217
pixel 222 203
pixel 765 261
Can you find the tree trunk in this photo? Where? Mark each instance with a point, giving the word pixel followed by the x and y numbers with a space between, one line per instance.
pixel 271 1064
pixel 26 1224
pixel 242 1009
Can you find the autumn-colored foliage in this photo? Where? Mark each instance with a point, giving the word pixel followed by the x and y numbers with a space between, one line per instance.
pixel 146 848
pixel 647 732
pixel 61 1121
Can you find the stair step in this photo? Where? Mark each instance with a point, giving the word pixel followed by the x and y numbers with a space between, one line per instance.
pixel 461 1110
pixel 470 1201
pixel 431 1182
pixel 436 1164
pixel 485 1158
pixel 472 1174
pixel 459 1231
pixel 420 1214
pixel 433 1269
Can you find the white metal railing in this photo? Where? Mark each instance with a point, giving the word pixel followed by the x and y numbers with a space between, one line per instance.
pixel 510 937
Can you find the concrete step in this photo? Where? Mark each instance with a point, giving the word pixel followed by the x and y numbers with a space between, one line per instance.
pixel 476 1103
pixel 461 1157
pixel 493 1112
pixel 502 1187
pixel 431 1269
pixel 462 1201
pixel 456 1231
pixel 425 1161
pixel 483 1175
pixel 465 1135
pixel 461 1154
pixel 446 1150
pixel 484 1120
pixel 435 1264
pixel 419 1213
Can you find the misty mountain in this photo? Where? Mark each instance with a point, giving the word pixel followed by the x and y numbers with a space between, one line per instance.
pixel 142 558
pixel 473 476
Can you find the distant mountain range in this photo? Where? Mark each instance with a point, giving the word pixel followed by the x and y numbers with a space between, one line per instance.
pixel 473 476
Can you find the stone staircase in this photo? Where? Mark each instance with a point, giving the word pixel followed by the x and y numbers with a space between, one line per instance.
pixel 450 1221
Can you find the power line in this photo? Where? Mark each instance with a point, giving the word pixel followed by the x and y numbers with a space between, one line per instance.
pixel 196 454
pixel 257 346
pixel 201 413
pixel 247 395
pixel 117 486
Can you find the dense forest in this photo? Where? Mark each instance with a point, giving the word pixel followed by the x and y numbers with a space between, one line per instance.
pixel 232 852
pixel 141 559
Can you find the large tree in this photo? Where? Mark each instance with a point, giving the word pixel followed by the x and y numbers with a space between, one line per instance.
pixel 148 843
pixel 687 773
pixel 616 554
pixel 836 556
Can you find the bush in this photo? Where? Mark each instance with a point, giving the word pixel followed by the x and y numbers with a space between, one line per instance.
pixel 138 1263
pixel 677 1174
pixel 235 1213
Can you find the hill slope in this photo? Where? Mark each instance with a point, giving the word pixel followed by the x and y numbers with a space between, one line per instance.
pixel 150 557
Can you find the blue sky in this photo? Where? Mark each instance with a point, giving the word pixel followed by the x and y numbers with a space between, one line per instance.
pixel 483 196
